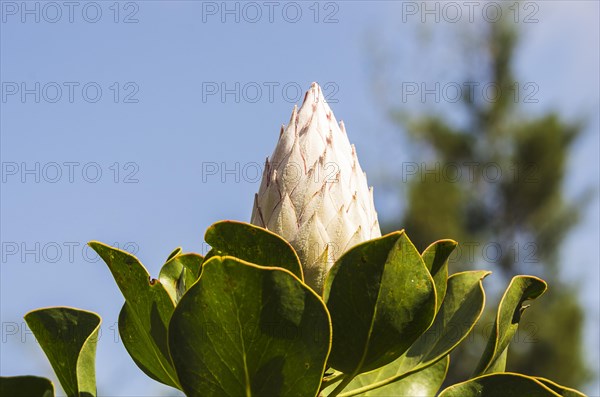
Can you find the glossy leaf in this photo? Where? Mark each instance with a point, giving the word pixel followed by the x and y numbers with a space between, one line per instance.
pixel 174 253
pixel 425 382
pixel 462 307
pixel 68 337
pixel 560 390
pixel 249 330
pixel 25 386
pixel 144 318
pixel 436 259
pixel 179 273
pixel 253 244
pixel 510 310
pixel 381 298
pixel 502 384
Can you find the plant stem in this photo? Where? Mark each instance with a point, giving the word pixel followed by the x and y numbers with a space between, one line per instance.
pixel 331 379
pixel 346 379
pixel 376 385
pixel 364 389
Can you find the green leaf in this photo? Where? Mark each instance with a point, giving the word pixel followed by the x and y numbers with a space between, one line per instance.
pixel 381 298
pixel 462 307
pixel 25 386
pixel 68 337
pixel 145 316
pixel 502 384
pixel 560 390
pixel 179 273
pixel 425 382
pixel 173 254
pixel 436 259
pixel 253 244
pixel 510 310
pixel 247 330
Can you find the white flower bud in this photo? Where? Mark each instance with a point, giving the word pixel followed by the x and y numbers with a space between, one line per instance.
pixel 313 192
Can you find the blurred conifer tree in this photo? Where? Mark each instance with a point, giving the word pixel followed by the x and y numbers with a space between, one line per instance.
pixel 516 221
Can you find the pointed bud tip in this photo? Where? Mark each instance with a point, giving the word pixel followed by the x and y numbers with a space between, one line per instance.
pixel 294 116
pixel 314 95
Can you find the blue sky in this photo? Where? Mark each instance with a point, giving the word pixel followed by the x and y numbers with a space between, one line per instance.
pixel 127 124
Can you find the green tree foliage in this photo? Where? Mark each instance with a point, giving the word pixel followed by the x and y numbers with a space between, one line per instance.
pixel 523 214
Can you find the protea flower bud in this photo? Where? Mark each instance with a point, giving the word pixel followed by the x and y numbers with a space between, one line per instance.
pixel 313 192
